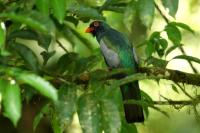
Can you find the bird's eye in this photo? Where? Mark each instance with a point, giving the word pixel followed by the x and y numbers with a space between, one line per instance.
pixel 96 24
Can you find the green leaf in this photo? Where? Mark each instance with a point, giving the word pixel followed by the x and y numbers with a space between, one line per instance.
pixel 28 56
pixel 72 20
pixel 84 40
pixel 183 26
pixel 174 88
pixel 44 111
pixel 65 107
pixel 149 100
pixel 24 34
pixel 46 56
pixel 163 43
pixel 43 40
pixel 43 6
pixel 170 49
pixel 157 62
pixel 146 12
pixel 66 63
pixel 173 34
pixel 3 51
pixel 12 101
pixel 111 117
pixel 188 58
pixel 41 85
pixel 89 114
pixel 2 37
pixel 129 15
pixel 128 128
pixel 149 49
pixel 172 5
pixel 85 13
pixel 55 124
pixel 32 19
pixel 58 8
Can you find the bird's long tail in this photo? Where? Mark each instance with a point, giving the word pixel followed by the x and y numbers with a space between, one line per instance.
pixel 133 113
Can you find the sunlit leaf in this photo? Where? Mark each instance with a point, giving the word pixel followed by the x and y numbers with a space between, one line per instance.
pixel 2 37
pixel 129 15
pixel 84 40
pixel 188 58
pixel 111 118
pixel 43 6
pixel 89 114
pixel 41 85
pixel 172 5
pixel 65 107
pixel 33 19
pixel 146 11
pixel 12 101
pixel 173 34
pixel 58 8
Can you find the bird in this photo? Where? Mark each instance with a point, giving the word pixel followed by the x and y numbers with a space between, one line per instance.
pixel 118 52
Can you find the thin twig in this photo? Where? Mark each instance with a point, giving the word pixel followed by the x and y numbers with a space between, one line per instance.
pixel 184 91
pixel 60 44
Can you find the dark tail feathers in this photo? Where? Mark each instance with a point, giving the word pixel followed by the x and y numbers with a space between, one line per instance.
pixel 133 113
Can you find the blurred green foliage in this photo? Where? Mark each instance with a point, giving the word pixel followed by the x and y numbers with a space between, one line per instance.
pixel 98 102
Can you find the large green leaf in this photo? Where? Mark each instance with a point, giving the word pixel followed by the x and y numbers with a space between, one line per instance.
pixel 58 8
pixel 28 56
pixel 66 105
pixel 41 85
pixel 43 6
pixel 188 58
pixel 11 100
pixel 172 5
pixel 89 114
pixel 129 15
pixel 146 11
pixel 32 19
pixel 111 121
pixel 173 34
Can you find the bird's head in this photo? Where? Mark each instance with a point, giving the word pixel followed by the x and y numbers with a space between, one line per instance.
pixel 96 27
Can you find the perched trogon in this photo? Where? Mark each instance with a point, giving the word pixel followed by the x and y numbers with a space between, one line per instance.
pixel 119 53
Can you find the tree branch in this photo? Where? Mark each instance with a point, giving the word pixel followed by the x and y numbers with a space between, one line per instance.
pixel 144 73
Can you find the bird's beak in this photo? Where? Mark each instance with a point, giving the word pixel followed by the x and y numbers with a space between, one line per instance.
pixel 89 30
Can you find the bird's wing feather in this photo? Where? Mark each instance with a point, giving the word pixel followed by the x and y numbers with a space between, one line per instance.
pixel 121 48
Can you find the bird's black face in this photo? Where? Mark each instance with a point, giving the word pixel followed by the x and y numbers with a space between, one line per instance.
pixel 93 28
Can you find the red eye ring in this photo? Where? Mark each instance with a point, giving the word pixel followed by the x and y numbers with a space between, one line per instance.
pixel 96 23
